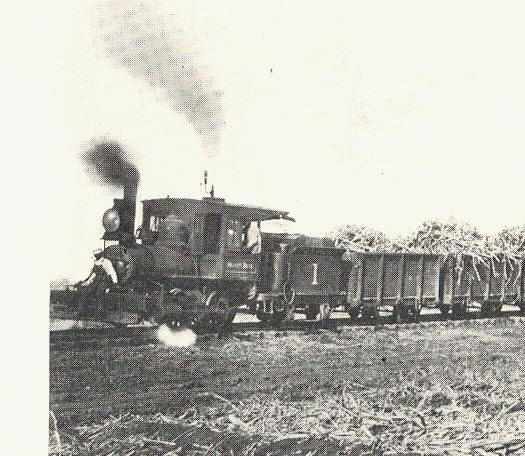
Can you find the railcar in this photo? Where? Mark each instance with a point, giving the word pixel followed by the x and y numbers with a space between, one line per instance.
pixel 299 274
pixel 469 284
pixel 402 284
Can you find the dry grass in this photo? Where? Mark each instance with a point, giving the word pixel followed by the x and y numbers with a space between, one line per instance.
pixel 454 388
pixel 451 419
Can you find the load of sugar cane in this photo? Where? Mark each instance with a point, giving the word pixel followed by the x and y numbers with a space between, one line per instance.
pixel 509 247
pixel 511 242
pixel 502 253
pixel 451 238
pixel 359 238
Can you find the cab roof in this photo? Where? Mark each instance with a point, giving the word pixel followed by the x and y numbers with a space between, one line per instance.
pixel 206 205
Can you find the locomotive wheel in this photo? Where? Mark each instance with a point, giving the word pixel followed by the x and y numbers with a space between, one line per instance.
pixel 279 318
pixel 287 314
pixel 325 311
pixel 276 311
pixel 369 314
pixel 264 317
pixel 172 321
pixel 219 314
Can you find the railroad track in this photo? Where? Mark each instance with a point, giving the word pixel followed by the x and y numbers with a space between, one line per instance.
pixel 140 335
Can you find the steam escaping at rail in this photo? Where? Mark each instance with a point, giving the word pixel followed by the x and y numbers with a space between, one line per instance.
pixel 184 337
pixel 137 38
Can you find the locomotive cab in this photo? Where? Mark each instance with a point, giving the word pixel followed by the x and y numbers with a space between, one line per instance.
pixel 204 239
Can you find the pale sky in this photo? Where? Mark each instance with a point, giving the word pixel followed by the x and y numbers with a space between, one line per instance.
pixel 378 113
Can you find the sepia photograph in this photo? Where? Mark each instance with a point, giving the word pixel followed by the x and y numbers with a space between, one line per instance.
pixel 284 228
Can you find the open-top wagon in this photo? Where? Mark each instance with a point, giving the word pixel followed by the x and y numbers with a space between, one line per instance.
pixel 402 284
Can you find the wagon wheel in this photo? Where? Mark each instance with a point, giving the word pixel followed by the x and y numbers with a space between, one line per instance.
pixel 459 309
pixel 312 311
pixel 353 312
pixel 414 314
pixel 486 308
pixel 400 313
pixel 444 309
pixel 287 314
pixel 491 308
pixel 369 314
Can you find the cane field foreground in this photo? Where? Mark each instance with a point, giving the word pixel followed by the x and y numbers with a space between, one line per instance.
pixel 443 388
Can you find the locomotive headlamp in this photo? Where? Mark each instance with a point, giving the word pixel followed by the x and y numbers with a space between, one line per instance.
pixel 111 220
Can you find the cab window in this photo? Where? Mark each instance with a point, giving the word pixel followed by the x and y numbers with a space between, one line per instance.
pixel 234 235
pixel 173 233
pixel 154 222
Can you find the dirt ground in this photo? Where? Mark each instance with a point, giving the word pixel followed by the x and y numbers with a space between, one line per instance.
pixel 444 388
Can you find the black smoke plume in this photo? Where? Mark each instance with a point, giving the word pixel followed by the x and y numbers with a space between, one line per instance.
pixel 137 38
pixel 108 162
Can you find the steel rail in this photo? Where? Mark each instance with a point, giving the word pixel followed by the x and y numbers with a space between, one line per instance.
pixel 139 335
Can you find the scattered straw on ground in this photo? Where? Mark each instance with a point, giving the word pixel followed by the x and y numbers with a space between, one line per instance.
pixel 455 389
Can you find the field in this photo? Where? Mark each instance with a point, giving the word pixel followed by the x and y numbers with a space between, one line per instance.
pixel 438 388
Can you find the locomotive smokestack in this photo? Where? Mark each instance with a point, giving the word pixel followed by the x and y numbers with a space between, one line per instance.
pixel 109 163
pixel 129 206
pixel 130 194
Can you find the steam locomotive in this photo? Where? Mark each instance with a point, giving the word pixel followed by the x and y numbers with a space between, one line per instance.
pixel 189 264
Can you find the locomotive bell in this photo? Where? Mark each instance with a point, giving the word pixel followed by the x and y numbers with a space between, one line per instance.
pixel 111 220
